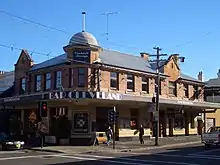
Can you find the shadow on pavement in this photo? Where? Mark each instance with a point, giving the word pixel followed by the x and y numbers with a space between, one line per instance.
pixel 194 155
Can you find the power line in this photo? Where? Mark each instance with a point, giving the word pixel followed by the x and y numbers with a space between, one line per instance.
pixel 32 51
pixel 65 32
pixel 34 22
pixel 204 34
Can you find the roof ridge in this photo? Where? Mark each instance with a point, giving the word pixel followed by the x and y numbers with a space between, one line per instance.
pixel 106 50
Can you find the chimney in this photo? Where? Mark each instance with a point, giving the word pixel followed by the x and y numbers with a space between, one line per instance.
pixel 145 55
pixel 200 76
pixel 218 73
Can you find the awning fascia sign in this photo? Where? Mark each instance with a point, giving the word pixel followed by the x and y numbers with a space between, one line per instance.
pixel 104 96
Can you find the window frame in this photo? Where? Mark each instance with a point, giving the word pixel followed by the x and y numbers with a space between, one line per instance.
pixel 115 79
pixel 145 83
pixel 58 79
pixel 38 83
pixel 172 87
pixel 195 91
pixel 186 90
pixel 48 79
pixel 82 75
pixel 130 80
pixel 23 84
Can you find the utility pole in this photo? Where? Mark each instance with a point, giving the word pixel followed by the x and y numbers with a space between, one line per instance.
pixel 158 86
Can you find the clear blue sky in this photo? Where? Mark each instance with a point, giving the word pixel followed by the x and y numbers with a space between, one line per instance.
pixel 139 26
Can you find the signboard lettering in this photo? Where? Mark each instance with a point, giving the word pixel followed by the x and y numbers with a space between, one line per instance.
pixel 85 95
pixel 184 102
pixel 82 56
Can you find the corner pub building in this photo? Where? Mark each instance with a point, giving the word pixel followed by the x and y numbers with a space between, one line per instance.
pixel 83 84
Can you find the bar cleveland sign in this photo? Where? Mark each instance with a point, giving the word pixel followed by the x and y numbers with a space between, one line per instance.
pixel 85 95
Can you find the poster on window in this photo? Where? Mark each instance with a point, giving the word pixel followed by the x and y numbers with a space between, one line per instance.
pixel 80 123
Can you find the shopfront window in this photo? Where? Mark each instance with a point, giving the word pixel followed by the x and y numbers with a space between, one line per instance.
pixel 179 122
pixel 134 119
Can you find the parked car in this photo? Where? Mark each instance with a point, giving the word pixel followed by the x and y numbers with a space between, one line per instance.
pixel 10 143
pixel 212 137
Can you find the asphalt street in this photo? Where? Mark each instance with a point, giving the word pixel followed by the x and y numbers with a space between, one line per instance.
pixel 187 155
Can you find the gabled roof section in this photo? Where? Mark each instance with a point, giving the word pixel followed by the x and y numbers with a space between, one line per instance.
pixel 124 60
pixel 51 62
pixel 25 53
pixel 214 82
pixel 171 57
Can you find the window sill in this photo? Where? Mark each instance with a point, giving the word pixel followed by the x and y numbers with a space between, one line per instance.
pixel 171 95
pixel 144 93
pixel 129 91
pixel 114 89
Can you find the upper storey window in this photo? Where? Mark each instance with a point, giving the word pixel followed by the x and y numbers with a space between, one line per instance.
pixel 114 80
pixel 130 82
pixel 145 84
pixel 81 77
pixel 172 88
pixel 48 81
pixel 58 80
pixel 38 83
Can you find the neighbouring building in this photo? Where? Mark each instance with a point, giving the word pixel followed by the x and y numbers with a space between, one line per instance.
pixel 6 80
pixel 86 81
pixel 212 94
pixel 6 83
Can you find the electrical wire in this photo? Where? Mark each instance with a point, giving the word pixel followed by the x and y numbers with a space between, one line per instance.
pixel 65 32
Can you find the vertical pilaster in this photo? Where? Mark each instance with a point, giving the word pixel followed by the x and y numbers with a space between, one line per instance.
pixel 186 119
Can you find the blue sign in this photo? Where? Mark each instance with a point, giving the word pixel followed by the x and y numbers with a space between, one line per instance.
pixel 82 56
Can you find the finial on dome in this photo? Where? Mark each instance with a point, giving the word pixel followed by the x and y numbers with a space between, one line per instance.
pixel 83 21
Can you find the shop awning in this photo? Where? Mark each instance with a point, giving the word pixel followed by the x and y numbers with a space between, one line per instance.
pixel 103 96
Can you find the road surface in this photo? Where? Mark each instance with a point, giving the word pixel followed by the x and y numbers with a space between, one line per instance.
pixel 187 155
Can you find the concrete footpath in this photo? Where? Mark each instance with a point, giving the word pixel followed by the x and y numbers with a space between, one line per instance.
pixel 123 146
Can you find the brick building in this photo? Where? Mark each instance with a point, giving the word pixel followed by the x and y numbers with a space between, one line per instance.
pixel 6 80
pixel 83 84
pixel 212 94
